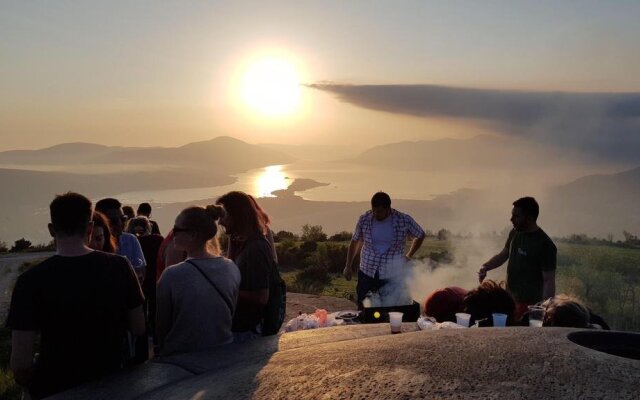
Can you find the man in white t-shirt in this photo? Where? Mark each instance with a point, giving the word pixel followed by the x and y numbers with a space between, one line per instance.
pixel 381 234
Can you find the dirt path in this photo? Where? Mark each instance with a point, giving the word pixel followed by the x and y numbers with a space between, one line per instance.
pixel 9 266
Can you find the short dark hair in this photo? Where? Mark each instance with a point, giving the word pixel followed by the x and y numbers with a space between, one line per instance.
pixel 488 298
pixel 70 214
pixel 105 205
pixel 144 209
pixel 529 206
pixel 381 199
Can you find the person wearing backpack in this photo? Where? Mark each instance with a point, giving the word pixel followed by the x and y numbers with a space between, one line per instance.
pixel 262 299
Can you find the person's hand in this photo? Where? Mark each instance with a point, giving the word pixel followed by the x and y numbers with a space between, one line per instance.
pixel 347 273
pixel 482 273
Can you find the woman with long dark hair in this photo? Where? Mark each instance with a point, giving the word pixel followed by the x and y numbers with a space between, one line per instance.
pixel 101 237
pixel 246 225
pixel 196 299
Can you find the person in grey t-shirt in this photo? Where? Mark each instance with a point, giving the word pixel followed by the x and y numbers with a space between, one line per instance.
pixel 196 298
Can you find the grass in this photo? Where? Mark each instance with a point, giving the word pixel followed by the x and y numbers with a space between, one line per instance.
pixel 9 389
pixel 606 278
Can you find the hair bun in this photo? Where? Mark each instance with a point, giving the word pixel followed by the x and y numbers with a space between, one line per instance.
pixel 215 211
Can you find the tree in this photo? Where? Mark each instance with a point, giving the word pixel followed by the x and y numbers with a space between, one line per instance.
pixel 3 247
pixel 444 234
pixel 341 237
pixel 283 235
pixel 313 233
pixel 630 238
pixel 20 245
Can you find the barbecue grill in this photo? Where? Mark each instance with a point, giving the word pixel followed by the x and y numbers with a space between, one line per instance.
pixel 372 315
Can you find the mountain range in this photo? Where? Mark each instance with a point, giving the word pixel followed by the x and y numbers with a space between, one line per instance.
pixel 596 204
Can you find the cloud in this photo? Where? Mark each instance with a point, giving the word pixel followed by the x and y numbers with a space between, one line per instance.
pixel 602 124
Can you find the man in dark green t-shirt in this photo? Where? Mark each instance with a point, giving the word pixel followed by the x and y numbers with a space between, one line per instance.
pixel 531 272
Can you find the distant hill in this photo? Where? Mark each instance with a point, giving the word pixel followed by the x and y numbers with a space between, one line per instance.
pixel 314 152
pixel 599 204
pixel 480 152
pixel 222 154
pixel 61 154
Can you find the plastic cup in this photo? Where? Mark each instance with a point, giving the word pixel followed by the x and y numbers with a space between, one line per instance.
pixel 463 319
pixel 395 318
pixel 499 320
pixel 536 316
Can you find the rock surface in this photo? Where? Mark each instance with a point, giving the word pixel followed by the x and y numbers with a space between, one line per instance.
pixel 367 362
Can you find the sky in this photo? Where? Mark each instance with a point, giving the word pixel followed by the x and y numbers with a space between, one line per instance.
pixel 168 73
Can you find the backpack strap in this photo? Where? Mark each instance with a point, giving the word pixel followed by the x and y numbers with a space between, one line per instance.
pixel 226 301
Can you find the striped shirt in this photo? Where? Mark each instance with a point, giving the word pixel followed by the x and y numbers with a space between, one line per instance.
pixel 390 262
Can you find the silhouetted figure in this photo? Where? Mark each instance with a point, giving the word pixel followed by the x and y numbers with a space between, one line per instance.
pixel 80 301
pixel 128 245
pixel 144 210
pixel 381 234
pixel 128 212
pixel 531 272
pixel 150 243
pixel 261 303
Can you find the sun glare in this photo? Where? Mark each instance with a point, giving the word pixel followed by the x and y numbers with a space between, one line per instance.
pixel 269 180
pixel 271 87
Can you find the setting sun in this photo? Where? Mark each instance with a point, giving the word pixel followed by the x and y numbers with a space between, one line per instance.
pixel 271 87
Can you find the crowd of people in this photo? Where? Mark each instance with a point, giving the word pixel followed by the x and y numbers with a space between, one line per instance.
pixel 117 291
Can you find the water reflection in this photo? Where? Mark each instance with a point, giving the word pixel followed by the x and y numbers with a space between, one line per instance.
pixel 272 178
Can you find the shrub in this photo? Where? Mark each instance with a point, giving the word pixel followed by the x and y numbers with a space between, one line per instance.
pixel 20 245
pixel 444 234
pixel 309 246
pixel 331 256
pixel 343 236
pixel 283 235
pixel 311 280
pixel 313 233
pixel 3 247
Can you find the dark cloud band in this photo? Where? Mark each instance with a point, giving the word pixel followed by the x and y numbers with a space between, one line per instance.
pixel 604 124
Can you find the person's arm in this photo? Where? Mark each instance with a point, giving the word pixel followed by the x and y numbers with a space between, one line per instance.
pixel 21 363
pixel 415 245
pixel 493 263
pixel 354 249
pixel 140 263
pixel 548 284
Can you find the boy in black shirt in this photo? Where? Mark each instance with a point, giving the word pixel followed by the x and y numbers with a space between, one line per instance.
pixel 80 301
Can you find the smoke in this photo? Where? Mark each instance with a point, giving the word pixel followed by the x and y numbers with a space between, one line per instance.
pixel 468 255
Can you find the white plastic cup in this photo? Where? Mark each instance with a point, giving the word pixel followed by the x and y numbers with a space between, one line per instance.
pixel 536 316
pixel 463 319
pixel 395 318
pixel 499 320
